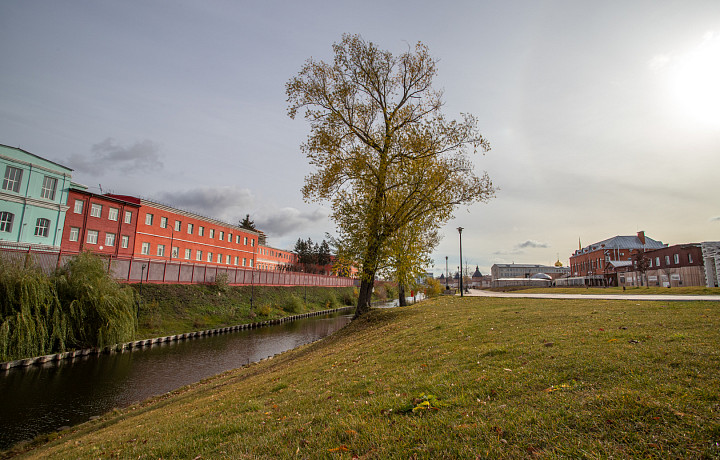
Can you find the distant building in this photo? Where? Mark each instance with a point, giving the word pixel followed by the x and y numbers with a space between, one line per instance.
pixel 597 264
pixel 526 271
pixel 480 281
pixel 672 266
pixel 711 259
pixel 33 198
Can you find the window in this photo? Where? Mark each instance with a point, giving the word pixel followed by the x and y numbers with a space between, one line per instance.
pixel 113 213
pixel 148 219
pixel 95 210
pixel 163 222
pixel 252 242
pixel 128 217
pixel 6 221
pixel 188 254
pixel 222 235
pixel 251 261
pixel 178 225
pixel 74 234
pixel 48 188
pixel 227 259
pixel 244 262
pixel 690 260
pixel 676 258
pixel 109 239
pixel 219 258
pixel 209 259
pixel 92 237
pixel 145 249
pixel 78 206
pixel 201 230
pixel 12 179
pixel 41 227
pixel 245 241
pixel 161 250
pixel 198 255
pixel 650 264
pixel 124 241
pixel 237 259
pixel 175 252
pixel 237 240
pixel 657 261
pixel 191 227
pixel 212 233
pixel 667 260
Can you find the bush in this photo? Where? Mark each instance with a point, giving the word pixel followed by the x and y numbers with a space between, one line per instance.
pixel 295 305
pixel 433 288
pixel 264 310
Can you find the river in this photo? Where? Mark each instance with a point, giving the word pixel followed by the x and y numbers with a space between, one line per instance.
pixel 40 399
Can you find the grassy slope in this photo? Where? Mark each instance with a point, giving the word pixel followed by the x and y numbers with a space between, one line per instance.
pixel 689 290
pixel 517 378
pixel 174 309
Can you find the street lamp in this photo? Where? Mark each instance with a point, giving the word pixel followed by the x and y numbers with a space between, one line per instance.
pixel 460 229
pixel 447 273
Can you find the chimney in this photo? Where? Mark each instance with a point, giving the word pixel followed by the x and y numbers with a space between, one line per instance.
pixel 641 237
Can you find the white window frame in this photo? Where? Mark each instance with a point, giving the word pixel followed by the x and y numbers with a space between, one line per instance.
pixel 175 252
pixel 228 259
pixel 128 217
pixel 95 210
pixel 149 219
pixel 188 253
pixel 161 250
pixel 49 187
pixel 219 258
pixel 42 227
pixel 6 221
pixel 163 222
pixel 209 256
pixel 113 213
pixel 178 225
pixel 13 179
pixel 124 241
pixel 244 263
pixel 198 255
pixel 145 249
pixel 74 234
pixel 92 237
pixel 237 259
pixel 676 258
pixel 109 239
pixel 78 206
pixel 245 241
pixel 212 233
pixel 190 228
pixel 222 235
pixel 201 230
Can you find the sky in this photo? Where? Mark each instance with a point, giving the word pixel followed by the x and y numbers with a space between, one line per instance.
pixel 603 117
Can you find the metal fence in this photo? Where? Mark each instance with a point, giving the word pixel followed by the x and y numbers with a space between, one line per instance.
pixel 134 269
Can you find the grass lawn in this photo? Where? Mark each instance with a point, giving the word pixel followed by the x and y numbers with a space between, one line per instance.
pixel 450 378
pixel 689 290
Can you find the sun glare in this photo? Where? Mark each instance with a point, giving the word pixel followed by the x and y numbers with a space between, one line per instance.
pixel 696 82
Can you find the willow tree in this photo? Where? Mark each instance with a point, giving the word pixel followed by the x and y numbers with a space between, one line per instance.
pixel 384 153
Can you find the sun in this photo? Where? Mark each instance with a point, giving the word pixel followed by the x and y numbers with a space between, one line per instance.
pixel 696 82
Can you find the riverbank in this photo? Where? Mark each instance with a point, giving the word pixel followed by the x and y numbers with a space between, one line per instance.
pixel 452 378
pixel 168 309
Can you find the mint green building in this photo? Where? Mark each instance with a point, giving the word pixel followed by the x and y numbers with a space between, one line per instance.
pixel 33 198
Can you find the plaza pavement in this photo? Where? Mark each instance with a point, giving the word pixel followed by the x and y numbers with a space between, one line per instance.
pixel 663 298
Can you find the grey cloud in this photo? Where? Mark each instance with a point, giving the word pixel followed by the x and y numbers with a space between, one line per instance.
pixel 289 220
pixel 110 156
pixel 532 244
pixel 715 219
pixel 224 203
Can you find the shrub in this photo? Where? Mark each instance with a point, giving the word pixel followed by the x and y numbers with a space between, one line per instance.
pixel 295 305
pixel 433 288
pixel 264 310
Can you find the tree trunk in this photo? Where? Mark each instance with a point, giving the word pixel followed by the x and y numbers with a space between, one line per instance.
pixel 365 297
pixel 402 301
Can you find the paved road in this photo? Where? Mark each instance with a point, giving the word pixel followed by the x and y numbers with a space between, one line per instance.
pixel 664 298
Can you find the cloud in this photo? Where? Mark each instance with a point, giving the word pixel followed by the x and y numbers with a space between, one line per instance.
pixel 659 62
pixel 110 156
pixel 226 203
pixel 715 219
pixel 285 221
pixel 532 244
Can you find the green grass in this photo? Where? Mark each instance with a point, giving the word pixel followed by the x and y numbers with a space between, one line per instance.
pixel 175 309
pixel 450 378
pixel 688 290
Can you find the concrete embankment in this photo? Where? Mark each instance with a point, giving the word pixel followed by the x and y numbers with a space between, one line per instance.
pixel 139 344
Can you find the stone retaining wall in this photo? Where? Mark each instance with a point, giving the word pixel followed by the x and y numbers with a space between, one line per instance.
pixel 129 346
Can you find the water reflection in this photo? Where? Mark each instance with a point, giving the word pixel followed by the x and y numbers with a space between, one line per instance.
pixel 40 399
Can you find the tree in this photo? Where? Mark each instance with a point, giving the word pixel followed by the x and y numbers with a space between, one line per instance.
pixel 384 153
pixel 248 224
pixel 641 263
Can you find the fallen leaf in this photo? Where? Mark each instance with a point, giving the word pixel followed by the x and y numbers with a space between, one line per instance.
pixel 338 449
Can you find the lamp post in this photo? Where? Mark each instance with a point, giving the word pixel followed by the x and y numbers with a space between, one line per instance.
pixel 447 273
pixel 460 229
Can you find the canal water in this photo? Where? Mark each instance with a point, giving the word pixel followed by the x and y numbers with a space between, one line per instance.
pixel 41 399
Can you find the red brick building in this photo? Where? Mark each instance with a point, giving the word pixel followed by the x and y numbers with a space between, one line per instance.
pixel 672 266
pixel 99 223
pixel 269 258
pixel 599 262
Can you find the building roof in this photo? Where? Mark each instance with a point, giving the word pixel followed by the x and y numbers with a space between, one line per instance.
pixel 623 242
pixel 477 273
pixel 36 156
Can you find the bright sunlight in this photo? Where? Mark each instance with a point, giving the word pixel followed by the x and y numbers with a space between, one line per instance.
pixel 696 81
